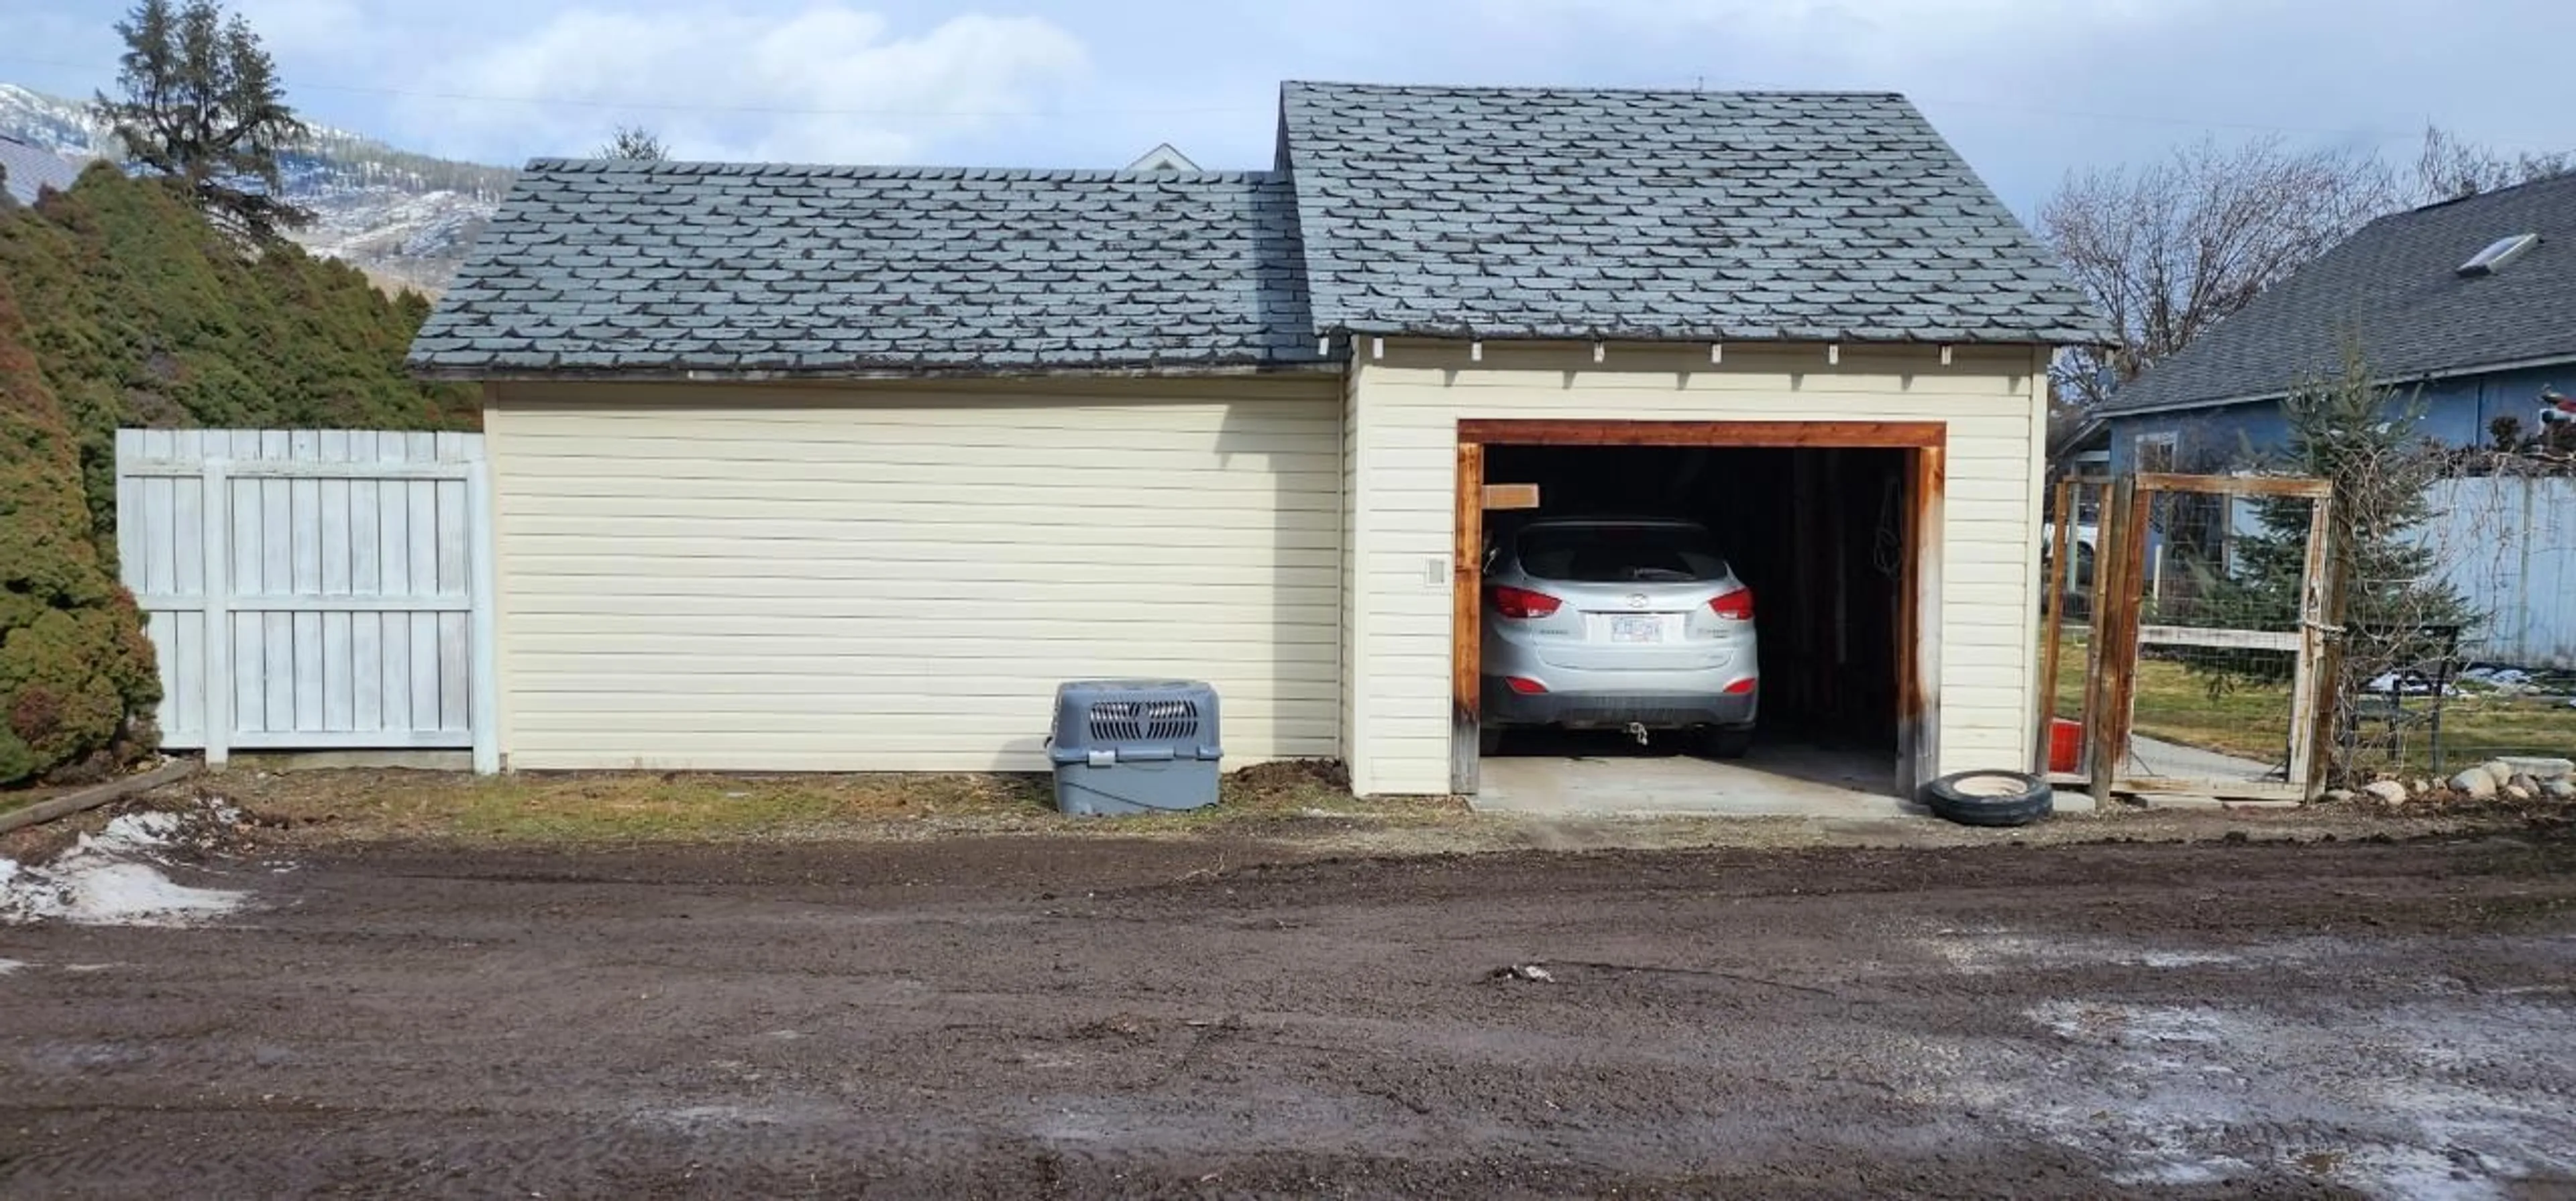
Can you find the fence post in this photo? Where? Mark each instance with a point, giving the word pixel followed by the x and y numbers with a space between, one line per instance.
pixel 2115 629
pixel 215 517
pixel 484 704
pixel 2326 707
pixel 2311 688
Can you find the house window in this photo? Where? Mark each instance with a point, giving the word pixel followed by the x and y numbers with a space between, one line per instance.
pixel 2156 452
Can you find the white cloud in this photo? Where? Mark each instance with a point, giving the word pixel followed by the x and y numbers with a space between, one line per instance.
pixel 828 84
pixel 1789 39
pixel 294 27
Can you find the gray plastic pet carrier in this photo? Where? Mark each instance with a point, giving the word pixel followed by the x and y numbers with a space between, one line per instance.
pixel 1134 746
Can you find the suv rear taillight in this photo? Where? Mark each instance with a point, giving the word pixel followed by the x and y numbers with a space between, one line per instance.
pixel 1737 604
pixel 1523 603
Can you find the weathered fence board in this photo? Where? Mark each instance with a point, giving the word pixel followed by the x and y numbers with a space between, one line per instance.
pixel 312 589
pixel 2509 545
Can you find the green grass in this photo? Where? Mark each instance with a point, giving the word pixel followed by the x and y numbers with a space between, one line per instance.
pixel 2252 721
pixel 620 807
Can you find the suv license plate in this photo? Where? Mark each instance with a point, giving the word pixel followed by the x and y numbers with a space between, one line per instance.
pixel 1636 629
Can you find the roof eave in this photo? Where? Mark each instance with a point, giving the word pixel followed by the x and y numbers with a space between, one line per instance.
pixel 1398 329
pixel 457 373
pixel 2384 381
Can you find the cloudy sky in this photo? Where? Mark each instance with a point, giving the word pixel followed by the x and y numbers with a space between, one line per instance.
pixel 2026 88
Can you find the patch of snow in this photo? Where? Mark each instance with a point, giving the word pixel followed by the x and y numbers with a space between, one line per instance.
pixel 2379 1102
pixel 115 878
pixel 1992 950
pixel 2168 959
pixel 137 894
pixel 136 831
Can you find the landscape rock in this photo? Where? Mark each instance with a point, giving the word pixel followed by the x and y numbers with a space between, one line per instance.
pixel 2340 796
pixel 2516 792
pixel 2558 790
pixel 2388 792
pixel 2498 772
pixel 2542 768
pixel 2477 782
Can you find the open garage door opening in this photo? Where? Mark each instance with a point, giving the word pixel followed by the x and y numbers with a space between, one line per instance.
pixel 1661 621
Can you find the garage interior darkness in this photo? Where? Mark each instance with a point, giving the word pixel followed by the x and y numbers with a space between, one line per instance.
pixel 1817 533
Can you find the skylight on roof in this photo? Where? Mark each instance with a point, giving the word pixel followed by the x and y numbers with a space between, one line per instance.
pixel 2498 253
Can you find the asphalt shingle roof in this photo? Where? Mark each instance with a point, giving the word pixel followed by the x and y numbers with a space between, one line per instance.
pixel 1721 215
pixel 2394 287
pixel 31 168
pixel 627 266
pixel 1442 211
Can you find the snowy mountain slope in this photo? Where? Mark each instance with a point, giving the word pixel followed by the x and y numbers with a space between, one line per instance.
pixel 405 218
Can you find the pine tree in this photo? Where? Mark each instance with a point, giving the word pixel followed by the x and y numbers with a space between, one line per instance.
pixel 2365 441
pixel 635 143
pixel 203 108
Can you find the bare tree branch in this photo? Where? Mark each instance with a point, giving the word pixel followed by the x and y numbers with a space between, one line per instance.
pixel 2170 249
pixel 2450 167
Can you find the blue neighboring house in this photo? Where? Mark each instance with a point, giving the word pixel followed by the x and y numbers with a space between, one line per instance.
pixel 2473 301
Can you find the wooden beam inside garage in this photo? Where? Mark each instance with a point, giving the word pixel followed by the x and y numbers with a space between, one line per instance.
pixel 1773 434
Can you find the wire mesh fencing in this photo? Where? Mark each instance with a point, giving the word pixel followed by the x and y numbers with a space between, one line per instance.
pixel 2071 598
pixel 2221 652
pixel 2256 632
pixel 2452 655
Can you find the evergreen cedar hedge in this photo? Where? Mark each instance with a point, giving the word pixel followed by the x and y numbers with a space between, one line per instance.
pixel 73 659
pixel 120 306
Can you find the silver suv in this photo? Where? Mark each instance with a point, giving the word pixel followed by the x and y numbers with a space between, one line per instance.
pixel 1626 624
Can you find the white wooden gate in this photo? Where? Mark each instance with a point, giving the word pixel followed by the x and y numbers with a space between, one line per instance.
pixel 313 589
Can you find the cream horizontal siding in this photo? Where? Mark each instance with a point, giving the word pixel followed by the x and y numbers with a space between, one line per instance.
pixel 895 576
pixel 1403 459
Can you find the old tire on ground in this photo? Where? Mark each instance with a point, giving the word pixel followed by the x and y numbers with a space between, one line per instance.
pixel 1990 798
pixel 1727 742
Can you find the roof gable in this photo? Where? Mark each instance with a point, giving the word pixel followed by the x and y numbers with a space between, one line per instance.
pixel 1520 212
pixel 2396 289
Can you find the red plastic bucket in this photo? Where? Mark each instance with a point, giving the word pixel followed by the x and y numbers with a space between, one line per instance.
pixel 2065 744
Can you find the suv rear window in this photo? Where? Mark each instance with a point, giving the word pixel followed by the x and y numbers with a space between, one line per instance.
pixel 1621 554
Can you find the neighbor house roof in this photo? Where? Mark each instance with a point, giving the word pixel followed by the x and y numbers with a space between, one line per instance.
pixel 1515 212
pixel 2394 289
pixel 754 268
pixel 31 168
pixel 1440 211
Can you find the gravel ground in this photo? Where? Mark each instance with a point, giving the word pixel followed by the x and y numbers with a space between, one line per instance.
pixel 1231 1014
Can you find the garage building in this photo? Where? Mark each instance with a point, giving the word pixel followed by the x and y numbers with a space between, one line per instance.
pixel 843 468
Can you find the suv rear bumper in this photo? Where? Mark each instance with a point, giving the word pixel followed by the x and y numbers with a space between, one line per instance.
pixel 1654 709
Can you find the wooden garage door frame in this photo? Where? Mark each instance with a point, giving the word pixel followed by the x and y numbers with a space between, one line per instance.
pixel 1918 642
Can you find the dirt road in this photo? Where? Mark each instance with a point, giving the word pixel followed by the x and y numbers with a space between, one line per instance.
pixel 1040 1016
